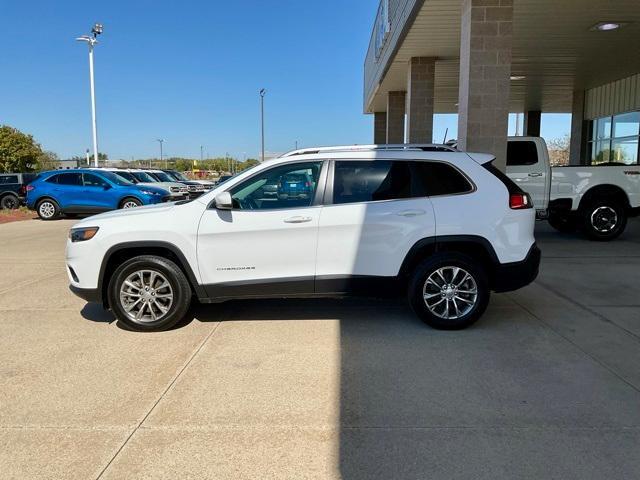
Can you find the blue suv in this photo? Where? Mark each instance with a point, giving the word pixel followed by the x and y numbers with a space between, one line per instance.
pixel 86 191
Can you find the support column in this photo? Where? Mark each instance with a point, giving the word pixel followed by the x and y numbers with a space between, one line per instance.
pixel 395 116
pixel 420 85
pixel 380 128
pixel 578 130
pixel 485 69
pixel 532 120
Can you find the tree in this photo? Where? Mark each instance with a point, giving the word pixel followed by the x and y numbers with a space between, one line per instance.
pixel 19 152
pixel 559 150
pixel 47 161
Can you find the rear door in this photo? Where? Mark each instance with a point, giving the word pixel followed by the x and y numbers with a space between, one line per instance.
pixel 528 166
pixel 371 218
pixel 68 190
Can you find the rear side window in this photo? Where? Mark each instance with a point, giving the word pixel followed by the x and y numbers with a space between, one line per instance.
pixel 521 153
pixel 371 181
pixel 69 179
pixel 8 179
pixel 436 178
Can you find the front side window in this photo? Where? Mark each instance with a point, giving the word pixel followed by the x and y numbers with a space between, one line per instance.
pixel 285 186
pixel 91 180
pixel 370 181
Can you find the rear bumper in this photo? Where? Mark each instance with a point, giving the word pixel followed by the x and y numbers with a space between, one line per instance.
pixel 88 294
pixel 512 276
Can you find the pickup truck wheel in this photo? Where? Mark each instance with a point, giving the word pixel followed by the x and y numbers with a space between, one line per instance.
pixel 604 219
pixel 149 293
pixel 48 209
pixel 562 222
pixel 9 202
pixel 449 291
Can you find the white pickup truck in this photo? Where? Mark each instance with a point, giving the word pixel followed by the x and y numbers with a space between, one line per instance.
pixel 594 199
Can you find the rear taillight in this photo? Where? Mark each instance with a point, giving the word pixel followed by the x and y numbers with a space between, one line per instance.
pixel 28 188
pixel 520 200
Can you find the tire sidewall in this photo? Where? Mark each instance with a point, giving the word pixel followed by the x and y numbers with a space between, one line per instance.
pixel 426 268
pixel 174 275
pixel 10 202
pixel 591 231
pixel 55 215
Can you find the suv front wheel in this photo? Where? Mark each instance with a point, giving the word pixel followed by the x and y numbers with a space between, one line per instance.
pixel 449 291
pixel 149 293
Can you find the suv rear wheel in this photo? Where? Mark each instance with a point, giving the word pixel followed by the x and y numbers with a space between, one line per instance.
pixel 149 293
pixel 48 209
pixel 449 291
pixel 130 202
pixel 603 219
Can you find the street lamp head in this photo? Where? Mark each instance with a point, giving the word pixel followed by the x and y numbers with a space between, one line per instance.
pixel 84 38
pixel 96 30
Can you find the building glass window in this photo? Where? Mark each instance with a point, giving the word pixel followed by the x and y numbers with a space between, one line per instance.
pixel 615 139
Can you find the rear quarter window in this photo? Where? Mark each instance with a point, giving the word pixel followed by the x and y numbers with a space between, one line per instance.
pixel 437 178
pixel 8 179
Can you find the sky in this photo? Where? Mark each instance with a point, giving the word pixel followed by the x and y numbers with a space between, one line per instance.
pixel 189 72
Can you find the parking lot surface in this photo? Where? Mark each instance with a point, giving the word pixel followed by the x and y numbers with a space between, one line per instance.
pixel 546 385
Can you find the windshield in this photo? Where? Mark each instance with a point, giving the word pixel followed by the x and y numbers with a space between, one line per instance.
pixel 163 177
pixel 117 179
pixel 127 176
pixel 178 176
pixel 144 177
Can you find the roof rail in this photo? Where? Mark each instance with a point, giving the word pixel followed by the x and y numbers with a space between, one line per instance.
pixel 424 147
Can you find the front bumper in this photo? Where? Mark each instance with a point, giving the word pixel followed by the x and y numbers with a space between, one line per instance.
pixel 512 276
pixel 88 294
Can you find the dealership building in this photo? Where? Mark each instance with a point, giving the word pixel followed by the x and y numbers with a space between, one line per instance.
pixel 483 59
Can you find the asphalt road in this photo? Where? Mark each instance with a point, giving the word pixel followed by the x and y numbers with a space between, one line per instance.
pixel 546 385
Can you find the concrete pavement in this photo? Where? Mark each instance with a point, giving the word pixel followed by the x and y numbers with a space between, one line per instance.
pixel 546 385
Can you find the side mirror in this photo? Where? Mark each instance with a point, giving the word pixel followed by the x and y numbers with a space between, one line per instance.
pixel 223 201
pixel 106 186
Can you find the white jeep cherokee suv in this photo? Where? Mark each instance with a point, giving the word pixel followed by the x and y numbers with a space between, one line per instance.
pixel 443 227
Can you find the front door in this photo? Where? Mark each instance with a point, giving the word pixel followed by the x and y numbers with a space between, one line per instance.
pixel 266 245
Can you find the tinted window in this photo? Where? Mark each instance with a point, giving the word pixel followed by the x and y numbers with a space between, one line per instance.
pixel 69 179
pixel 436 178
pixel 522 153
pixel 287 186
pixel 371 181
pixel 91 180
pixel 144 177
pixel 7 179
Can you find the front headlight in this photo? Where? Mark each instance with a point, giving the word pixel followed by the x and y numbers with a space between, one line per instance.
pixel 82 234
pixel 150 192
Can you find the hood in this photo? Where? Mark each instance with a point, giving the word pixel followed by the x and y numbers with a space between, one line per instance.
pixel 127 212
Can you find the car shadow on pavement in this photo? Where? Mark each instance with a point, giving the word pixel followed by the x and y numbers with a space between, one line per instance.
pixel 95 312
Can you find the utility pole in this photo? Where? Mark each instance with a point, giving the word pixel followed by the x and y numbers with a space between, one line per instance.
pixel 262 94
pixel 161 141
pixel 91 41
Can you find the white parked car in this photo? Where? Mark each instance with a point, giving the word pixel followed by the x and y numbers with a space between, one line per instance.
pixel 443 227
pixel 595 199
pixel 177 190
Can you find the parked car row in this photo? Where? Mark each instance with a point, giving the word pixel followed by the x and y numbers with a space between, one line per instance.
pixel 93 190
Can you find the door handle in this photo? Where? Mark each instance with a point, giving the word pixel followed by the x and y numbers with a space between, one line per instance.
pixel 297 219
pixel 535 174
pixel 411 213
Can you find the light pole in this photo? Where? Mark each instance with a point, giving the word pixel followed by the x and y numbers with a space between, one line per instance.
pixel 201 156
pixel 91 42
pixel 161 141
pixel 262 94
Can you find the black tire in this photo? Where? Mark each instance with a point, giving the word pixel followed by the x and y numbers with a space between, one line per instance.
pixel 48 209
pixel 162 267
pixel 129 200
pixel 563 222
pixel 604 219
pixel 10 202
pixel 419 287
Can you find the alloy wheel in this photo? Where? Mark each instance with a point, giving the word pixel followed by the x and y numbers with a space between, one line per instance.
pixel 450 292
pixel 604 219
pixel 47 210
pixel 130 204
pixel 146 296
